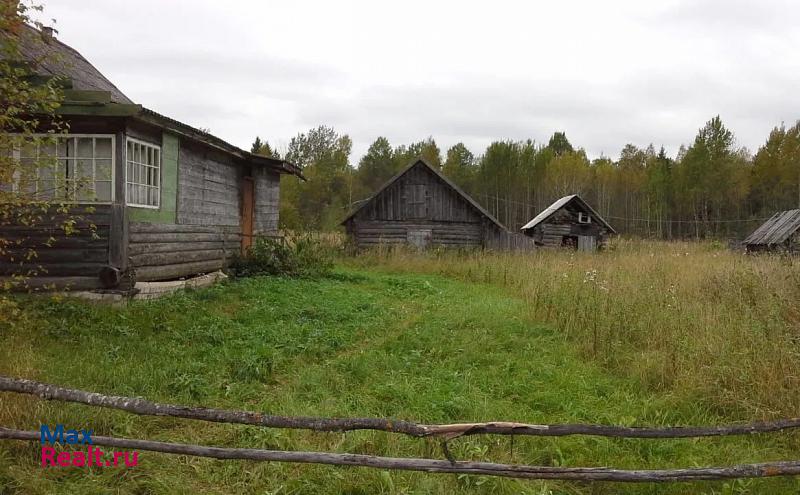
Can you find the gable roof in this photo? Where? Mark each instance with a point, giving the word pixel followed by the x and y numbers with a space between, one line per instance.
pixel 560 203
pixel 50 57
pixel 777 229
pixel 480 209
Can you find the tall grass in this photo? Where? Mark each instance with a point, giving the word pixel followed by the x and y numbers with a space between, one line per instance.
pixel 692 319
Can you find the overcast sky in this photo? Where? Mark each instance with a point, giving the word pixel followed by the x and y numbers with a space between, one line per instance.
pixel 606 72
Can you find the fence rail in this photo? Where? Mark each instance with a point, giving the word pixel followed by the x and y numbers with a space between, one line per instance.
pixel 443 431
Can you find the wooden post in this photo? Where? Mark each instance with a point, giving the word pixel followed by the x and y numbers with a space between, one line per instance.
pixel 118 232
pixel 248 198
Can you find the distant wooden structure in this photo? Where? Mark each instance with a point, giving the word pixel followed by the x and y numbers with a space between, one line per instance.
pixel 781 233
pixel 569 222
pixel 421 207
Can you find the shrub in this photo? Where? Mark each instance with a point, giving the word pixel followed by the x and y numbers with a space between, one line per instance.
pixel 303 257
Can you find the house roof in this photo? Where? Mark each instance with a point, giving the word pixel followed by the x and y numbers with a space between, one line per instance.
pixel 777 229
pixel 560 203
pixel 361 204
pixel 91 93
pixel 50 57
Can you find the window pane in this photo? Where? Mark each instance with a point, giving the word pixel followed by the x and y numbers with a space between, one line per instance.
pixel 102 169
pixel 65 147
pixel 103 190
pixel 84 190
pixel 84 169
pixel 102 147
pixel 29 150
pixel 85 148
pixel 48 148
pixel 46 189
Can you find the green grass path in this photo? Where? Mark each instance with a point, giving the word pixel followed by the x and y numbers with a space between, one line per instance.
pixel 362 343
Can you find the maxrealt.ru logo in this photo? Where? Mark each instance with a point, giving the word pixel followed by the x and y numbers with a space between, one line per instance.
pixel 91 457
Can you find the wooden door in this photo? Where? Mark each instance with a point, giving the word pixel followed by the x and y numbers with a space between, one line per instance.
pixel 248 208
pixel 420 239
pixel 586 243
pixel 416 201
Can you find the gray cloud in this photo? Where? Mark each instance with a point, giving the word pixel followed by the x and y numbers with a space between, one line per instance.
pixel 607 73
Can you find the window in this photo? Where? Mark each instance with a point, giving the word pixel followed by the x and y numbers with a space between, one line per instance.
pixel 143 184
pixel 74 168
pixel 584 218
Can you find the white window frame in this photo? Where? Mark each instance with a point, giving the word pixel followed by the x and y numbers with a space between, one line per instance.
pixel 16 153
pixel 584 218
pixel 159 168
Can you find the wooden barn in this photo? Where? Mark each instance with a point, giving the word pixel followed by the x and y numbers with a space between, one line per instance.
pixel 421 207
pixel 781 233
pixel 571 223
pixel 155 199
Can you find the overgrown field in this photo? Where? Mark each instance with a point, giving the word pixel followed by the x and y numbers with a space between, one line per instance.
pixel 645 334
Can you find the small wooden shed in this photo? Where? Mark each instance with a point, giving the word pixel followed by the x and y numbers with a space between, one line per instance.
pixel 781 233
pixel 421 207
pixel 569 222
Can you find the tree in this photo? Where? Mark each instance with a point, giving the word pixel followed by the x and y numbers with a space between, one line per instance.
pixel 28 121
pixel 375 167
pixel 425 149
pixel 776 171
pixel 321 201
pixel 264 149
pixel 460 166
pixel 559 144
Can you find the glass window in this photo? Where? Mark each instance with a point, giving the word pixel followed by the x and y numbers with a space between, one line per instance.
pixel 67 168
pixel 143 166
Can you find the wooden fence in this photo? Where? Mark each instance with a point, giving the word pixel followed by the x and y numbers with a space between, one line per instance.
pixel 445 432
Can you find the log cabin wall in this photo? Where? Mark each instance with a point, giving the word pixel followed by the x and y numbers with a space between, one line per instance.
pixel 267 198
pixel 169 251
pixel 72 261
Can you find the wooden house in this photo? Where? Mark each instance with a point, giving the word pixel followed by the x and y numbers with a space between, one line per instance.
pixel 781 233
pixel 421 207
pixel 155 199
pixel 571 223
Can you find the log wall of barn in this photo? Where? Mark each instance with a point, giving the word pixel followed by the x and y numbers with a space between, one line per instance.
pixel 455 234
pixel 170 251
pixel 73 260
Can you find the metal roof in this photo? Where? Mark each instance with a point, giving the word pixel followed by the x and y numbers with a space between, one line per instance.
pixel 777 229
pixel 560 203
pixel 364 202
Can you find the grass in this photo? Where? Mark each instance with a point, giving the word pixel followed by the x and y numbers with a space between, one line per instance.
pixel 685 335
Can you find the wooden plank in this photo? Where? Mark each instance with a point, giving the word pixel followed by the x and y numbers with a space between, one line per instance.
pixel 145 228
pixel 182 237
pixel 56 255
pixel 172 247
pixel 52 269
pixel 172 258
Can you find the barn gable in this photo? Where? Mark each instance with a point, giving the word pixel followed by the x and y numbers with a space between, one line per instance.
pixel 420 192
pixel 421 206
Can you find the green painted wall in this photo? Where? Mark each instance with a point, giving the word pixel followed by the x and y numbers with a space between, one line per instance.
pixel 169 186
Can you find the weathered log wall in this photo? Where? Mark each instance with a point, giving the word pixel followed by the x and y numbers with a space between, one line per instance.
pixel 209 187
pixel 454 234
pixel 170 251
pixel 267 197
pixel 75 259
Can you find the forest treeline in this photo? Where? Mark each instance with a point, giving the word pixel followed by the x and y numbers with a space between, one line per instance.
pixel 711 188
